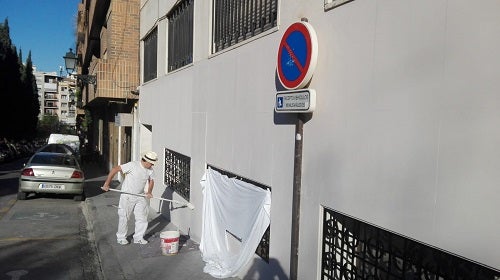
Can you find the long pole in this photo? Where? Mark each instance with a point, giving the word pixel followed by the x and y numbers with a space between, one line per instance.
pixel 297 183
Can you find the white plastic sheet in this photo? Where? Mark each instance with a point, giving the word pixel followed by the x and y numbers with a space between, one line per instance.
pixel 231 205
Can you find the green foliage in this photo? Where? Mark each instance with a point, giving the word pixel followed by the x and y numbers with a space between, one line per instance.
pixel 47 125
pixel 51 124
pixel 87 121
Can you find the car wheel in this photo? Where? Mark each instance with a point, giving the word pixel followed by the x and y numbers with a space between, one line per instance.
pixel 21 195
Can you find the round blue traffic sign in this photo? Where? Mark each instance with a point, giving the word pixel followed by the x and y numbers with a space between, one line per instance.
pixel 297 55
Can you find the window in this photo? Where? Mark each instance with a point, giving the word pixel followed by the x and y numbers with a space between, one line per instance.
pixel 263 248
pixel 177 173
pixel 352 249
pixel 180 35
pixel 150 52
pixel 235 21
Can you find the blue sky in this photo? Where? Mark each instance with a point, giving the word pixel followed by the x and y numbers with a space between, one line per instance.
pixel 46 27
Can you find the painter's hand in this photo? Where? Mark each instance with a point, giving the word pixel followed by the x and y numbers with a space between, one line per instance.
pixel 105 187
pixel 149 195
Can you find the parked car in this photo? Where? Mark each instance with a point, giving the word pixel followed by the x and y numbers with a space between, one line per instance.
pixel 46 172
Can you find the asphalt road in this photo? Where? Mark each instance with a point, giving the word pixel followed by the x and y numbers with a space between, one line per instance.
pixel 43 237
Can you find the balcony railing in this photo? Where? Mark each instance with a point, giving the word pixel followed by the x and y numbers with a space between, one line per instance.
pixel 50 86
pixel 51 96
pixel 51 105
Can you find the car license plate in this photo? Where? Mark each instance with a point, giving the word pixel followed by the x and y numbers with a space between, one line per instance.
pixel 51 187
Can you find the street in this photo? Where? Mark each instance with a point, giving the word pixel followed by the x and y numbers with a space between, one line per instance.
pixel 43 237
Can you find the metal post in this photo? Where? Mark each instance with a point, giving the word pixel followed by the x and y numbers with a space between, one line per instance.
pixel 297 182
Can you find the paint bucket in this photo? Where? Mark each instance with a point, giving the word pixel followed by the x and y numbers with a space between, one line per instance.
pixel 169 242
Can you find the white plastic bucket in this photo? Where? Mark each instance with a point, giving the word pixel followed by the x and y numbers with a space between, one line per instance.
pixel 169 242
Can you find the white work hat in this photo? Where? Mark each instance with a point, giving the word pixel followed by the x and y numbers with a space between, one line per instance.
pixel 150 157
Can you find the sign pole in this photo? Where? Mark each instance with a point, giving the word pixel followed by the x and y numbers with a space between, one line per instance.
pixel 297 184
pixel 297 58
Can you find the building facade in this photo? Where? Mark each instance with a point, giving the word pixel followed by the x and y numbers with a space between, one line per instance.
pixel 48 97
pixel 108 50
pixel 56 96
pixel 67 93
pixel 399 158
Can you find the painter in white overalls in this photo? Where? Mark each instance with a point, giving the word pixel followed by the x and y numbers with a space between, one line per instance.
pixel 137 174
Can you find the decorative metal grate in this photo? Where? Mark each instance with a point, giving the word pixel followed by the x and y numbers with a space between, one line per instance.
pixel 150 55
pixel 235 21
pixel 180 35
pixel 177 172
pixel 352 249
pixel 263 248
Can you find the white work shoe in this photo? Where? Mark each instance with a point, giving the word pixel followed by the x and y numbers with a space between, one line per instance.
pixel 140 241
pixel 122 241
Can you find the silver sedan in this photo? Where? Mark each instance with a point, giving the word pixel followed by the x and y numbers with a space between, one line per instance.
pixel 51 173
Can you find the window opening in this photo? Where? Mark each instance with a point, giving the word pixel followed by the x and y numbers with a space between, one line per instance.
pixel 180 35
pixel 177 173
pixel 263 248
pixel 352 249
pixel 150 55
pixel 235 21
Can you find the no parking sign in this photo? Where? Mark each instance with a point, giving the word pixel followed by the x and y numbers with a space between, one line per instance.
pixel 297 55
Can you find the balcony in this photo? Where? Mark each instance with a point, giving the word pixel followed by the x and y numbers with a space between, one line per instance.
pixel 115 79
pixel 50 112
pixel 51 105
pixel 50 86
pixel 50 97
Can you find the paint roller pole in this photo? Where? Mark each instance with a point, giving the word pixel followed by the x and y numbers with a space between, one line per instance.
pixel 297 182
pixel 187 204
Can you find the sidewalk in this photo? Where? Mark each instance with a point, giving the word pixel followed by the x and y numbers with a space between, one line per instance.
pixel 134 261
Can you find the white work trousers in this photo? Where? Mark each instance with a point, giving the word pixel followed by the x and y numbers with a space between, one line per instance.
pixel 140 207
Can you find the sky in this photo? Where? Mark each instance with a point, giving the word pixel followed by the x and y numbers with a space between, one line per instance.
pixel 47 28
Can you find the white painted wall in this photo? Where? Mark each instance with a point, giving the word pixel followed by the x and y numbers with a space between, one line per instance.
pixel 405 134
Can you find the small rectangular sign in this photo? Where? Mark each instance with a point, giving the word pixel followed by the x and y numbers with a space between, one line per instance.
pixel 295 101
pixel 124 119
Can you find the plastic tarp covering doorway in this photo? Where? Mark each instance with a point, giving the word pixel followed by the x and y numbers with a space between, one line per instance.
pixel 231 206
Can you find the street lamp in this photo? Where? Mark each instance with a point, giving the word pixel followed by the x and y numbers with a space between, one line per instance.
pixel 70 60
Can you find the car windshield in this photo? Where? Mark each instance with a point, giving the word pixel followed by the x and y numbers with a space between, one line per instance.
pixel 54 159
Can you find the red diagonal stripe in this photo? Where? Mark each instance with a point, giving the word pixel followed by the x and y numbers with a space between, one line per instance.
pixel 294 58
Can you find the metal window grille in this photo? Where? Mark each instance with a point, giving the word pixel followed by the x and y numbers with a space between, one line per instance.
pixel 263 248
pixel 177 172
pixel 352 249
pixel 235 21
pixel 150 53
pixel 180 35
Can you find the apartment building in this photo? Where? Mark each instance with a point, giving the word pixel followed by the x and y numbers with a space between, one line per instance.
pixel 67 99
pixel 56 96
pixel 108 53
pixel 48 97
pixel 397 176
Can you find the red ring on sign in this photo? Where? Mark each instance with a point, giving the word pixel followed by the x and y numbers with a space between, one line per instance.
pixel 307 69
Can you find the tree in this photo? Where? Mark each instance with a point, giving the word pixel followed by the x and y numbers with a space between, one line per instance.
pixel 47 125
pixel 30 99
pixel 17 91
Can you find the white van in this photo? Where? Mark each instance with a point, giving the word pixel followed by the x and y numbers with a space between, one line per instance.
pixel 71 140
